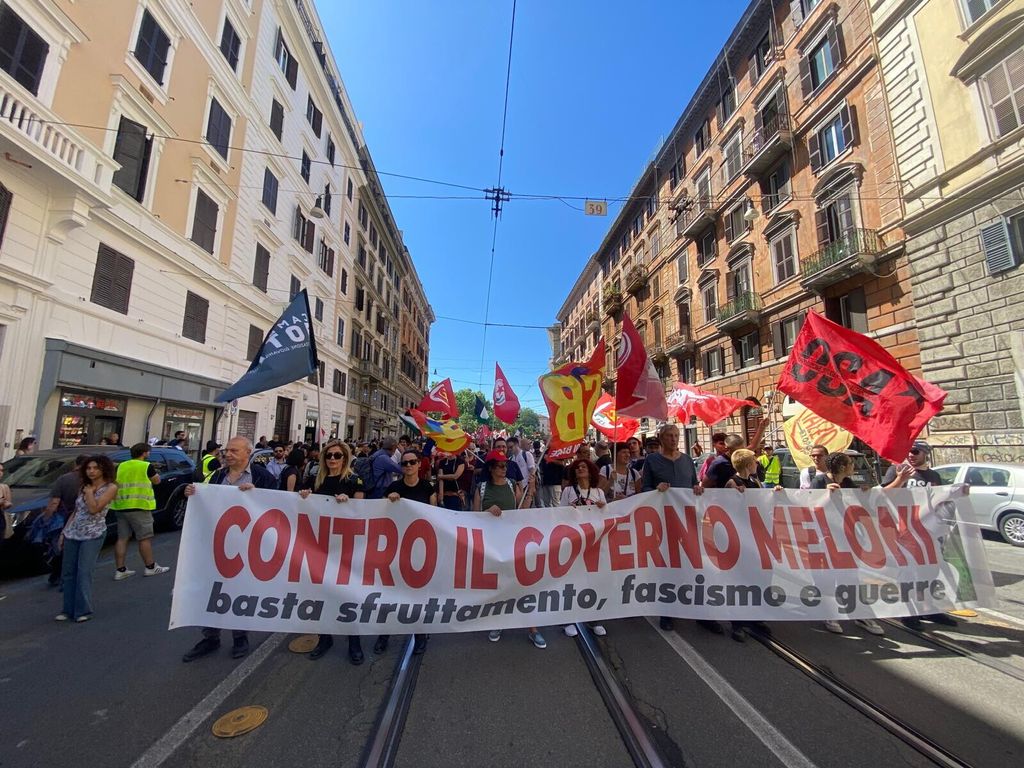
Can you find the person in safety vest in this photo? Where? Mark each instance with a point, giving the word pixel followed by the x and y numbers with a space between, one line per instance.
pixel 210 462
pixel 772 467
pixel 133 507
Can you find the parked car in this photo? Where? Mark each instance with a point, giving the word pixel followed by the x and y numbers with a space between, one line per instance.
pixel 863 476
pixel 31 480
pixel 996 496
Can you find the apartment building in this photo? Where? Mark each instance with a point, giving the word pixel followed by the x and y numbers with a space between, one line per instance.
pixel 774 194
pixel 954 75
pixel 171 174
pixel 414 339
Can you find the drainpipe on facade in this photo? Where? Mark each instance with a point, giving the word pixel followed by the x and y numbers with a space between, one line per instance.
pixel 149 416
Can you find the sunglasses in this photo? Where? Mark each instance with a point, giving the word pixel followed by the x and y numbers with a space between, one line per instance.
pixel 915 451
pixel 411 463
pixel 333 455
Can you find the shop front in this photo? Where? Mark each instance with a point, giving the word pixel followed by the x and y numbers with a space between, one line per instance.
pixel 180 418
pixel 88 418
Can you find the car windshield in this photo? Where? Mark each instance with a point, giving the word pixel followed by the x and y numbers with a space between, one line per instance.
pixel 40 471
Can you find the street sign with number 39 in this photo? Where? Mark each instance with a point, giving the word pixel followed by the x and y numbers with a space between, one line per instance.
pixel 596 208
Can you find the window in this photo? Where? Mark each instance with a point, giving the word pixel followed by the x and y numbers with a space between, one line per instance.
pixel 317 376
pixel 739 281
pixel 849 310
pixel 304 230
pixel 762 58
pixel 318 309
pixel 348 233
pixel 151 47
pixel 702 138
pixel 305 166
pixel 732 160
pixel 675 173
pixel 360 294
pixel 687 371
pixel 706 247
pixel 204 222
pixel 218 128
pixel 326 259
pixel 682 267
pixel 22 51
pixel 657 286
pixel 1002 243
pixel 112 280
pixel 747 350
pixel 314 116
pixel 261 269
pixel 727 104
pixel 655 244
pixel 784 334
pixel 821 62
pixel 196 310
pixel 1004 93
pixel 255 343
pixel 341 332
pixel 775 188
pixel 276 118
pixel 831 140
pixel 714 363
pixel 131 150
pixel 294 288
pixel 357 342
pixel 286 61
pixel 339 382
pixel 326 199
pixel 834 219
pixel 344 281
pixel 230 43
pixel 975 9
pixel 270 185
pixel 735 226
pixel 783 257
pixel 6 198
pixel 709 295
pixel 330 150
pixel 704 188
pixel 373 235
pixel 348 190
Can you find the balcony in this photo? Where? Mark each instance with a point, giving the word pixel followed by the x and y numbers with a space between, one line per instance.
pixel 699 214
pixel 636 278
pixel 770 142
pixel 612 300
pixel 854 252
pixel 657 354
pixel 368 368
pixel 743 310
pixel 679 343
pixel 39 133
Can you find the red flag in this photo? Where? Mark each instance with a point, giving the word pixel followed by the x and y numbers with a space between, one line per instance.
pixel 594 365
pixel 571 394
pixel 685 401
pixel 440 399
pixel 638 388
pixel 610 424
pixel 849 379
pixel 506 404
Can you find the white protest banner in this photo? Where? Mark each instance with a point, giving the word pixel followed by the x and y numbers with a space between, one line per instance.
pixel 269 560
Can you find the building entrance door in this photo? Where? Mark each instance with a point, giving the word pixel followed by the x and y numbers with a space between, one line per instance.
pixel 283 420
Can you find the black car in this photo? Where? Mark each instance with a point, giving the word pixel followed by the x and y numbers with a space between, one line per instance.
pixel 863 475
pixel 31 478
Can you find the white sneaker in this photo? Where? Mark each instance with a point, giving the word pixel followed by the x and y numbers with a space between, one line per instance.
pixel 599 630
pixel 122 575
pixel 834 626
pixel 494 635
pixel 870 625
pixel 570 630
pixel 61 617
pixel 156 570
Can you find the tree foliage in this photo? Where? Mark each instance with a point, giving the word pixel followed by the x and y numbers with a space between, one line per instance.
pixel 528 419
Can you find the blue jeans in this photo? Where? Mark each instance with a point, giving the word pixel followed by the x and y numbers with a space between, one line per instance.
pixel 76 574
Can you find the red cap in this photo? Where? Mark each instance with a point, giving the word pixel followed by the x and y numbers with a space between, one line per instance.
pixel 495 456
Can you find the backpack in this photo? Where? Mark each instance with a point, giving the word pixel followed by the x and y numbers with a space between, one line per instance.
pixel 363 466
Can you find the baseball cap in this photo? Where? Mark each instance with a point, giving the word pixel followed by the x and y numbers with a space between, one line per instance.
pixel 495 456
pixel 212 445
pixel 922 446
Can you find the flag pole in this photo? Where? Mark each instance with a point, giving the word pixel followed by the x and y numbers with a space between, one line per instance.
pixel 319 413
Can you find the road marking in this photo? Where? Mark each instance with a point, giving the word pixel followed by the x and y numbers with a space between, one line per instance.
pixel 787 752
pixel 182 730
pixel 1001 616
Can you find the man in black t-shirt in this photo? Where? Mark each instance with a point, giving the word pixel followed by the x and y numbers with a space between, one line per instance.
pixel 409 485
pixel 721 470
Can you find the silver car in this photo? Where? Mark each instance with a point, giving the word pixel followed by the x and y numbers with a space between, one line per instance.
pixel 997 496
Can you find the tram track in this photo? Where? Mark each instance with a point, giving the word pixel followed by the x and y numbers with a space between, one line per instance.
pixel 878 714
pixel 960 650
pixel 384 741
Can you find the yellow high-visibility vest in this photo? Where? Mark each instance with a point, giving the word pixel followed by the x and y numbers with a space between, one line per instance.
pixel 134 488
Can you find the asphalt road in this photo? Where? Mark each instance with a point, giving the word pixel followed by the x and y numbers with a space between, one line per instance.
pixel 114 692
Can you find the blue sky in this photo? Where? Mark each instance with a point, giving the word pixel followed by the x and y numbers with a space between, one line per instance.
pixel 595 87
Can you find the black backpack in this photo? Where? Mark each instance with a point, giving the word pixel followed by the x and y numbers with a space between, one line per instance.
pixel 363 466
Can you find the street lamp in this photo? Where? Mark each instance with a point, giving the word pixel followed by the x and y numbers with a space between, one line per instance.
pixel 317 212
pixel 751 214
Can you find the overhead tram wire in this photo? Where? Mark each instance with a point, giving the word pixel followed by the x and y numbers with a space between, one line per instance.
pixel 499 194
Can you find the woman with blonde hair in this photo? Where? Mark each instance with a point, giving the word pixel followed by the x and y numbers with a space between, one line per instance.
pixel 336 478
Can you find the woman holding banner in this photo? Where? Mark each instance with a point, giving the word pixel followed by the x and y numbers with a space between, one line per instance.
pixel 495 494
pixel 620 480
pixel 336 478
pixel 584 493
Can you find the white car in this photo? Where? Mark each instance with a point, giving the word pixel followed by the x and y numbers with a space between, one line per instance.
pixel 997 495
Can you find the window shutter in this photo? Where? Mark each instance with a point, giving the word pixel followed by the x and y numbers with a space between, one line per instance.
pixel 330 262
pixel 856 305
pixel 318 118
pixel 299 225
pixel 806 83
pixel 277 118
pixel 796 10
pixel 814 150
pixel 844 211
pixel 262 269
pixel 310 236
pixel 131 150
pixel 729 227
pixel 292 74
pixel 778 340
pixel 758 128
pixel 835 42
pixel 6 198
pixel 204 224
pixel 821 222
pixel 752 68
pixel 196 310
pixel 737 354
pixel 995 241
pixel 848 115
pixel 832 310
pixel 255 343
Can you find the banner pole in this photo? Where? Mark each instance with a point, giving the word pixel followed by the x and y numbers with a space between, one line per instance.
pixel 319 413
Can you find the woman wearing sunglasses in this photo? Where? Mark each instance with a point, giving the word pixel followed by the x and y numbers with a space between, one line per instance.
pixel 336 478
pixel 409 486
pixel 495 494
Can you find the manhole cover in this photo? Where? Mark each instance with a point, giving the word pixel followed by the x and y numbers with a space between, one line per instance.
pixel 239 721
pixel 303 643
